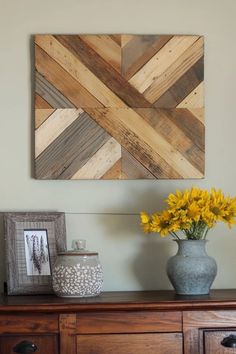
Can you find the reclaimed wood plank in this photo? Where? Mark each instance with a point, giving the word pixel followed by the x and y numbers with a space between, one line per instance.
pixel 109 76
pixel 108 49
pixel 178 68
pixel 160 62
pixel 41 115
pixel 114 172
pixel 71 150
pixel 40 102
pixel 53 127
pixel 168 127
pixel 78 71
pixel 139 50
pixel 101 162
pixel 190 125
pixel 135 134
pixel 63 82
pixel 132 168
pixel 181 89
pixel 195 99
pixel 50 93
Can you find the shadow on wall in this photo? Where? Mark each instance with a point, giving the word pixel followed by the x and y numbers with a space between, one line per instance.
pixel 150 265
pixel 144 255
pixel 148 253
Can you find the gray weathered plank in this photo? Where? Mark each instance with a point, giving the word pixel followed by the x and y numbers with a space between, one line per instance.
pixel 71 150
pixel 50 94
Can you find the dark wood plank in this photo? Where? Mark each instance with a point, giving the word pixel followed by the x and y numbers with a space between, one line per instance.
pixel 39 102
pixel 140 50
pixel 165 125
pixel 62 81
pixel 135 322
pixel 189 124
pixel 116 38
pixel 150 343
pixel 50 94
pixel 71 150
pixel 183 87
pixel 132 142
pixel 132 168
pixel 109 76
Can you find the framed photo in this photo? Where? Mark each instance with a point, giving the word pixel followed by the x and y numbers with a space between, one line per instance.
pixel 32 242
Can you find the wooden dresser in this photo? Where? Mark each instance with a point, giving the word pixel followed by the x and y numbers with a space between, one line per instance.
pixel 154 322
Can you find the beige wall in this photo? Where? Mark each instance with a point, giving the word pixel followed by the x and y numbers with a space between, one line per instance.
pixel 100 210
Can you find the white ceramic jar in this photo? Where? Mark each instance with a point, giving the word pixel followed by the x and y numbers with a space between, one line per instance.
pixel 77 273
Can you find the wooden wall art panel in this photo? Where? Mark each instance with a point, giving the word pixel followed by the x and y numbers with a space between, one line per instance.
pixel 119 107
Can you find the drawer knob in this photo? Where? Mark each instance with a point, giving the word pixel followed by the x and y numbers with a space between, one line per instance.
pixel 25 347
pixel 229 342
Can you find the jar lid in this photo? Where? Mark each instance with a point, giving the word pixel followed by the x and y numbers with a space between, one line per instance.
pixel 78 249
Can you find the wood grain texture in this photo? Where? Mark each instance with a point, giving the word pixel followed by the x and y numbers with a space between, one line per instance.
pixel 194 321
pixel 67 325
pixel 151 343
pixel 212 341
pixel 27 323
pixel 71 149
pixel 148 145
pixel 53 97
pixel 144 91
pixel 46 344
pixel 135 322
pixel 128 301
pixel 101 162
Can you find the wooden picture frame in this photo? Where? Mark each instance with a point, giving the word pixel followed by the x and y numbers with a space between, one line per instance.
pixel 15 225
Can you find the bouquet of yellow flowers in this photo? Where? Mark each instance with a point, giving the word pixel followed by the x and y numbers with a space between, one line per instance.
pixel 193 212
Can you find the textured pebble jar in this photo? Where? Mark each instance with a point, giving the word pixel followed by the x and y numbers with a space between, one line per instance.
pixel 77 273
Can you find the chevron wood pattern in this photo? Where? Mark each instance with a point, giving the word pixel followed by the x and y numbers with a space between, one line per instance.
pixel 119 107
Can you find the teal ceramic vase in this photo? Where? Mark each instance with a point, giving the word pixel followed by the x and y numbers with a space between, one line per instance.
pixel 191 271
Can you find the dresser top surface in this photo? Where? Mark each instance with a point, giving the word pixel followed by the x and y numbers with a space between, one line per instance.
pixel 125 300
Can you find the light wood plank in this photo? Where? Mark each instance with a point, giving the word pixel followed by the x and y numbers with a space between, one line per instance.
pixel 195 99
pixel 132 131
pixel 71 150
pixel 109 76
pixel 41 115
pixel 126 38
pixel 164 58
pixel 100 162
pixel 63 82
pixel 78 70
pixel 138 51
pixel 108 49
pixel 198 113
pixel 53 127
pixel 178 68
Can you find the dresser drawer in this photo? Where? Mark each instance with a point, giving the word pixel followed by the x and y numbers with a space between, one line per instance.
pixel 129 322
pixel 45 344
pixel 40 323
pixel 213 339
pixel 148 343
